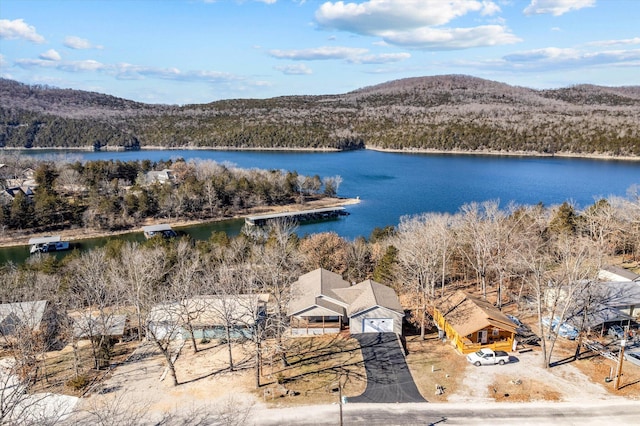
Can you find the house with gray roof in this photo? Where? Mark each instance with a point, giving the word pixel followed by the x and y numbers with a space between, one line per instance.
pixel 323 303
pixel 24 320
pixel 617 274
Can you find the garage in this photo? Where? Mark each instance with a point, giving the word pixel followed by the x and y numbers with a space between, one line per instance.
pixel 377 325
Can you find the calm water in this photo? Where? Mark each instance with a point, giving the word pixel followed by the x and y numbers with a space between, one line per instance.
pixel 391 185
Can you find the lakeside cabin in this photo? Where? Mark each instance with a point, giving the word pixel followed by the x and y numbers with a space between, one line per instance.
pixel 47 244
pixel 299 216
pixel 163 231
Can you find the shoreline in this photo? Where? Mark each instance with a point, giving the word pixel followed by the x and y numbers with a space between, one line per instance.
pixel 430 151
pixel 503 153
pixel 78 234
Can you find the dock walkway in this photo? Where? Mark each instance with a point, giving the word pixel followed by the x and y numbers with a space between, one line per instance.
pixel 303 215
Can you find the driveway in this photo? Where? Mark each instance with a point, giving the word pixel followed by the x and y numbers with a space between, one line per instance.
pixel 388 377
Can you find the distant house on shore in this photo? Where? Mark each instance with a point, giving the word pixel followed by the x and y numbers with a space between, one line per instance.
pixel 12 192
pixel 471 324
pixel 162 176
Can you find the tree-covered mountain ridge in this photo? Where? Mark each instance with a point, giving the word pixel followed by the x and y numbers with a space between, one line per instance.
pixel 444 113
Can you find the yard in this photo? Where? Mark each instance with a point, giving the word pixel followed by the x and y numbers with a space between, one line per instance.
pixel 435 363
pixel 317 367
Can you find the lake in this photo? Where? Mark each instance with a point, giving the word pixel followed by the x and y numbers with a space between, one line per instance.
pixel 391 185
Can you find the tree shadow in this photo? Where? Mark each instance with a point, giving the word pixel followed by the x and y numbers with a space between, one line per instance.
pixel 629 384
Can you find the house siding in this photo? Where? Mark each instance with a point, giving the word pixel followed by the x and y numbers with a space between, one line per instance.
pixel 355 322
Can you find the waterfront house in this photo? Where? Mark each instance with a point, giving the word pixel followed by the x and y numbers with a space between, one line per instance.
pixel 471 324
pixel 162 176
pixel 14 191
pixel 323 303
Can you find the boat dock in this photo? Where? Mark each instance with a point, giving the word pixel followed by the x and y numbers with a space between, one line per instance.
pixel 300 216
pixel 47 244
pixel 161 230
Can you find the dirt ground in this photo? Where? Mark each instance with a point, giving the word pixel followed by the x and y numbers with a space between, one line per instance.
pixel 142 385
pixel 434 362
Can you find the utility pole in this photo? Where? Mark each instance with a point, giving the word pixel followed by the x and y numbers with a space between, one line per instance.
pixel 623 343
pixel 340 396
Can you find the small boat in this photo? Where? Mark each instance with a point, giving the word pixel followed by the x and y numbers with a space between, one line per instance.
pixel 164 231
pixel 47 244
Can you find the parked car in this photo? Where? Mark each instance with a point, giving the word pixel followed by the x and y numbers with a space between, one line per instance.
pixel 487 356
pixel 633 358
pixel 521 328
pixel 616 332
pixel 562 329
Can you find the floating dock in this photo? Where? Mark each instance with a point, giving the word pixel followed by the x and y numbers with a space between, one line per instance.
pixel 47 244
pixel 162 230
pixel 298 216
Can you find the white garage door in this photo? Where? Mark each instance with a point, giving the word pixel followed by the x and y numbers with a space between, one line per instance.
pixel 377 325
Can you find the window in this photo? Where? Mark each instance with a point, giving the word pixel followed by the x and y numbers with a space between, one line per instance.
pixel 496 332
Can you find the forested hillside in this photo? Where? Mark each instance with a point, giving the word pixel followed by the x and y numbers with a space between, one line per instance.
pixel 443 113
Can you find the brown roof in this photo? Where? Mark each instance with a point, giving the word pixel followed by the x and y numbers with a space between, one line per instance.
pixel 468 314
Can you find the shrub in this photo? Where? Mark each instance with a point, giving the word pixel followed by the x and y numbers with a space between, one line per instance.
pixel 78 382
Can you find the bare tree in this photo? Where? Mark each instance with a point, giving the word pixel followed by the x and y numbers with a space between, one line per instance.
pixel 479 236
pixel 137 273
pixel 96 302
pixel 568 281
pixel 419 255
pixel 185 283
pixel 227 285
pixel 277 264
pixel 164 328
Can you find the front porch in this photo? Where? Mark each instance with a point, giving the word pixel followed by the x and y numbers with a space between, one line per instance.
pixel 315 325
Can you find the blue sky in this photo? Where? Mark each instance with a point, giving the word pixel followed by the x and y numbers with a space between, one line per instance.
pixel 198 51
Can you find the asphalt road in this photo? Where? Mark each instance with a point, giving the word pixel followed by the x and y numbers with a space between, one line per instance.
pixel 522 414
pixel 388 377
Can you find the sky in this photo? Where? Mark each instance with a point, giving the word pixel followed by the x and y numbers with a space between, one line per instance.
pixel 199 51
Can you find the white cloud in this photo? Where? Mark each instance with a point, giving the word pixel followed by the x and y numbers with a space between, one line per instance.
pixel 50 55
pixel 556 58
pixel 350 54
pixel 125 71
pixel 3 61
pixel 417 24
pixel 451 38
pixel 635 40
pixel 18 29
pixel 374 16
pixel 73 42
pixel 384 58
pixel 318 53
pixel 297 69
pixel 69 66
pixel 556 7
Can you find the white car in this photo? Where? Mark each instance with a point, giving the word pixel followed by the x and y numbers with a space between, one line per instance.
pixel 487 356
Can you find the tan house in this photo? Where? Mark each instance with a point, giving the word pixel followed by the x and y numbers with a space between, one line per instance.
pixel 323 303
pixel 471 323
